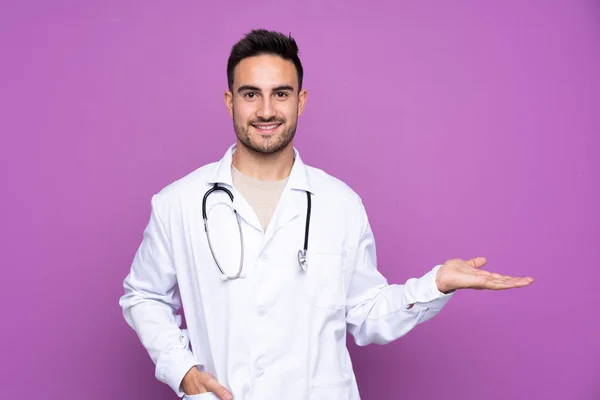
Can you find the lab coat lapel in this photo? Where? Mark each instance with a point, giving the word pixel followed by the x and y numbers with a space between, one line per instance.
pixel 285 211
pixel 293 199
pixel 222 175
pixel 245 210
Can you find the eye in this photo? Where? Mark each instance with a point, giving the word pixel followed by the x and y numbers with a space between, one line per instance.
pixel 250 95
pixel 281 95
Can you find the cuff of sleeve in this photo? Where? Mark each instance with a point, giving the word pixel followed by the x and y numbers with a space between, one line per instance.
pixel 172 371
pixel 424 291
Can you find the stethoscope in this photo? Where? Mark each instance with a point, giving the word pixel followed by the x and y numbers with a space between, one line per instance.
pixel 224 276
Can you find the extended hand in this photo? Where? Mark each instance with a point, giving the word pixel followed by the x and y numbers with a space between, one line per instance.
pixel 459 274
pixel 196 382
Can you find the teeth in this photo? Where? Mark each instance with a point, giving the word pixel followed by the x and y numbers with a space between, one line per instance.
pixel 267 128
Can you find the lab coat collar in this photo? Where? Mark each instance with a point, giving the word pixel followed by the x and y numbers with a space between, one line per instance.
pixel 298 178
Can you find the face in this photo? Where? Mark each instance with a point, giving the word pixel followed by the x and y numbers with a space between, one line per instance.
pixel 265 103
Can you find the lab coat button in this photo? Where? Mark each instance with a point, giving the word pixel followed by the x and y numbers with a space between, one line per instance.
pixel 262 312
pixel 265 257
pixel 259 370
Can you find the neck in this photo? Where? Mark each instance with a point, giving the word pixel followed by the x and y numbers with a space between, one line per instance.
pixel 264 167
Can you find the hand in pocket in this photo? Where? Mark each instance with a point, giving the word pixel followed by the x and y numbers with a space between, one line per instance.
pixel 196 383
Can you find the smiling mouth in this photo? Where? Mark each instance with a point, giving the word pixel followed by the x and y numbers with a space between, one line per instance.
pixel 266 129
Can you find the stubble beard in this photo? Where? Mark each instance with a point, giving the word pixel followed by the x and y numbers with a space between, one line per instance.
pixel 270 145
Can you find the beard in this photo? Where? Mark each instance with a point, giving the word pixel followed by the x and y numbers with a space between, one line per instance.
pixel 267 145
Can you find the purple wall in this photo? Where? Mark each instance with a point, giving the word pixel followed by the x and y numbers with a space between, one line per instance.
pixel 468 129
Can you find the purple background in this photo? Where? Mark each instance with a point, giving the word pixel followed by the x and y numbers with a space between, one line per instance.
pixel 468 129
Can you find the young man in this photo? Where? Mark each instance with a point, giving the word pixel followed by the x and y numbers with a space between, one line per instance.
pixel 277 328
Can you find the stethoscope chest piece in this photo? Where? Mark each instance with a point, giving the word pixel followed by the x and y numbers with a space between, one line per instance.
pixel 302 259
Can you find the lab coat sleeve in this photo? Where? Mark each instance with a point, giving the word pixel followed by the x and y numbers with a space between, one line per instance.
pixel 378 312
pixel 151 301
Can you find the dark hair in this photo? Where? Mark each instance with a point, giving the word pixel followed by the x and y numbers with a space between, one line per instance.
pixel 260 42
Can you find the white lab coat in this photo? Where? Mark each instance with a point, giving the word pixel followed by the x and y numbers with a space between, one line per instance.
pixel 278 332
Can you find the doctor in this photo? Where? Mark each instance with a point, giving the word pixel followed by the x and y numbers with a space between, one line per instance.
pixel 270 291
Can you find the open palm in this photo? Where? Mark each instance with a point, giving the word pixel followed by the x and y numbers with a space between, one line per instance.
pixel 460 274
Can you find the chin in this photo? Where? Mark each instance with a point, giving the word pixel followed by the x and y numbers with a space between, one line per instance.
pixel 270 145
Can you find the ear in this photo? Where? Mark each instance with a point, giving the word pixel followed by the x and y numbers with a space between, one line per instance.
pixel 302 97
pixel 229 102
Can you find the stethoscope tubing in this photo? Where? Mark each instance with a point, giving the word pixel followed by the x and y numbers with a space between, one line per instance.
pixel 301 253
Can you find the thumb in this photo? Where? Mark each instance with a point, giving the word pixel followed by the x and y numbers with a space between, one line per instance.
pixel 215 387
pixel 477 262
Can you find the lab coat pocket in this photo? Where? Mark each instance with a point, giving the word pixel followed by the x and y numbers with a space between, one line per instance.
pixel 328 390
pixel 325 279
pixel 201 396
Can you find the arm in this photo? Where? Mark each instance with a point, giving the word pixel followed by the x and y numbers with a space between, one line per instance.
pixel 377 312
pixel 150 302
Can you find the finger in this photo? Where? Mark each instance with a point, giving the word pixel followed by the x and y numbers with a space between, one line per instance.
pixel 512 278
pixel 514 284
pixel 489 274
pixel 215 387
pixel 492 276
pixel 502 284
pixel 500 276
pixel 477 262
pixel 524 281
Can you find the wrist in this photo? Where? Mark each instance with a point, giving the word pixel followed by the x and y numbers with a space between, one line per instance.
pixel 188 378
pixel 443 287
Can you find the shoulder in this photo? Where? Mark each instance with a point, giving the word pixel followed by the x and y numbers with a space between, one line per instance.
pixel 334 189
pixel 340 206
pixel 183 189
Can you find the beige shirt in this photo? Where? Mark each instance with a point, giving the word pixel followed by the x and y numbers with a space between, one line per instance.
pixel 263 196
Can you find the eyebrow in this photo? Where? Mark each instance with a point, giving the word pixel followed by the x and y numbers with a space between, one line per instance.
pixel 275 89
pixel 283 88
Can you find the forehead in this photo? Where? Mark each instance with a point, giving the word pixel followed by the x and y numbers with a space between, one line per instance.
pixel 265 71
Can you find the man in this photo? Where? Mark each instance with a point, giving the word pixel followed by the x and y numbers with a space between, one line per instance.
pixel 276 327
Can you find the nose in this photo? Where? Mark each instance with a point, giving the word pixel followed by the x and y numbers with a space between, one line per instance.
pixel 266 109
